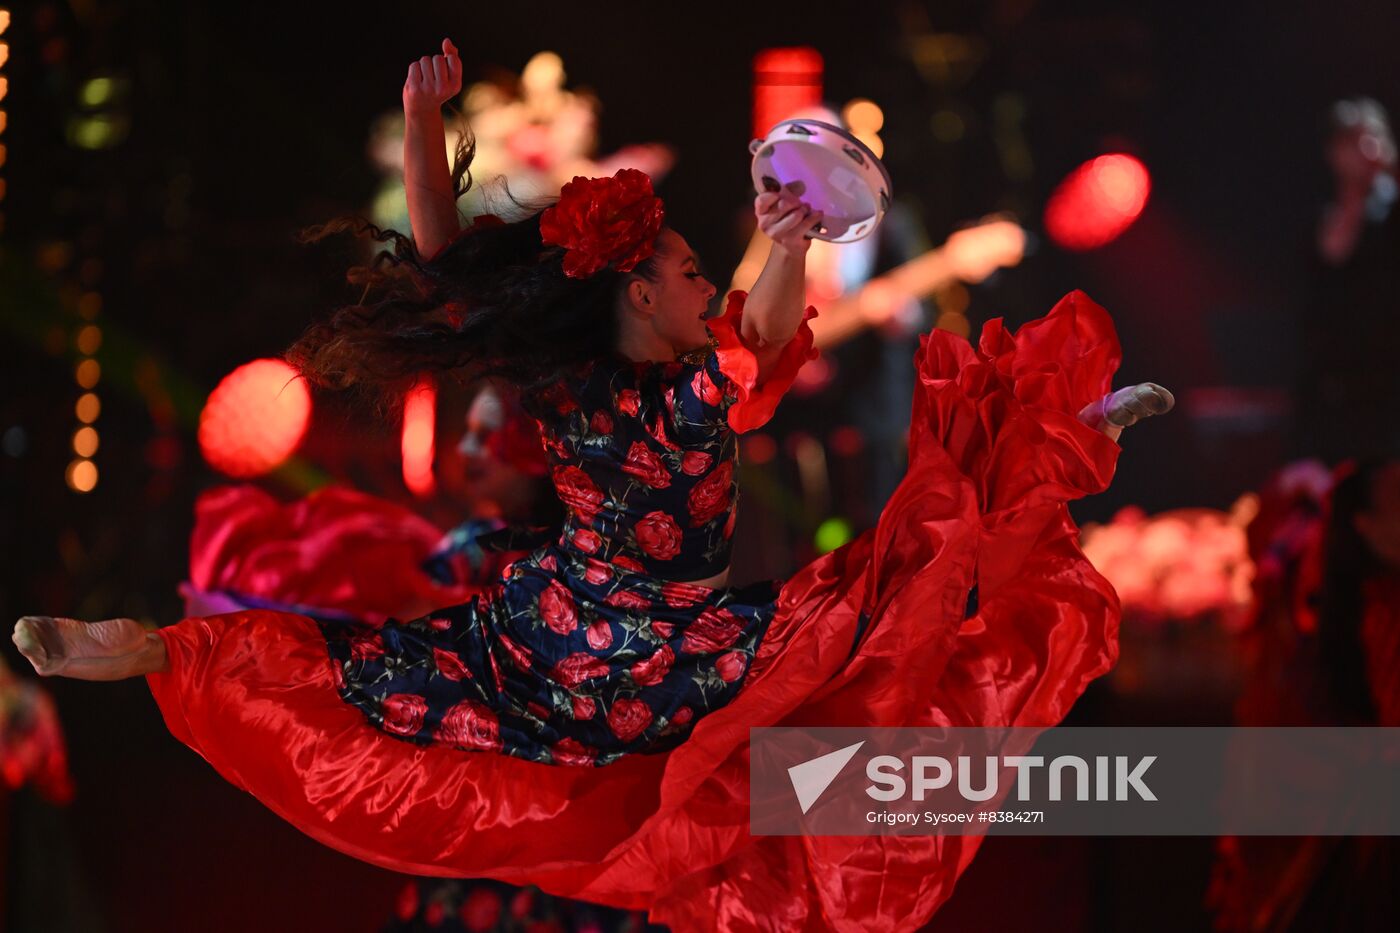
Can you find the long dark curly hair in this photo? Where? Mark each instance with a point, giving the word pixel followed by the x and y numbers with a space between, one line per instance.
pixel 1349 562
pixel 494 302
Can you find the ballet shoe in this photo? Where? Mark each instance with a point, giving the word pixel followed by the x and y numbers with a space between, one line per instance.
pixel 88 651
pixel 1126 407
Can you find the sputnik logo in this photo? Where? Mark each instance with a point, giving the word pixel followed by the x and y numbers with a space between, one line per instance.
pixel 812 777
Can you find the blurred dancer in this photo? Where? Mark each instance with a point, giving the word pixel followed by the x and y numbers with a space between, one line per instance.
pixel 1351 329
pixel 1325 652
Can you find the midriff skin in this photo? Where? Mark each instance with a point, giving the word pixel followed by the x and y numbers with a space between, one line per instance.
pixel 717 582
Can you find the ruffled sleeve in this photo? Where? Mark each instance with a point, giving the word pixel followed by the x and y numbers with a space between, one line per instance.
pixel 733 367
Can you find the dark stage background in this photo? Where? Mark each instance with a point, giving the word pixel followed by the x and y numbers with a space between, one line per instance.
pixel 247 122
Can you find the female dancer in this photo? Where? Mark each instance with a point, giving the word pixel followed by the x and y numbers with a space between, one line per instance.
pixel 473 741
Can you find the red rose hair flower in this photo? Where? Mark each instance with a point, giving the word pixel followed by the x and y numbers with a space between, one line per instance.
pixel 602 221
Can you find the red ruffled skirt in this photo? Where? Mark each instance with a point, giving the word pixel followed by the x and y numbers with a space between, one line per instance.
pixel 996 452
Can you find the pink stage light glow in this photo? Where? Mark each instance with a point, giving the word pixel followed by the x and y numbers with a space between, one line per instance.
pixel 1097 202
pixel 419 417
pixel 254 419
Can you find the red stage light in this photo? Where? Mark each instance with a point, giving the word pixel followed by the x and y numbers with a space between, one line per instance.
pixel 254 419
pixel 1097 202
pixel 784 81
pixel 419 421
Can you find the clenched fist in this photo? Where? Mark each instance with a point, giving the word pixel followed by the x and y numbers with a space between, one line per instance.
pixel 432 81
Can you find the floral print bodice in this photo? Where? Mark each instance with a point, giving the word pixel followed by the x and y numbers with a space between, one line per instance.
pixel 644 455
pixel 644 460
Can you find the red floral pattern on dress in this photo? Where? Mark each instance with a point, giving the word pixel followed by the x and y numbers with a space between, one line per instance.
pixel 646 466
pixel 657 429
pixel 705 388
pixel 577 668
pixel 600 636
pixel 557 608
pixel 629 401
pixel 649 672
pixel 627 599
pixel 629 563
pixel 696 462
pixel 471 725
pixel 404 713
pixel 450 665
pixel 629 718
pixel 711 496
pixel 714 630
pixel 659 536
pixel 578 491
pixel 519 655
pixel 680 595
pixel 587 540
pixel 731 666
pixel 571 752
pixel 366 646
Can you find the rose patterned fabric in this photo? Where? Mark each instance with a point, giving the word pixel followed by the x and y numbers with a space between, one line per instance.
pixel 568 661
pixel 643 455
pixel 880 632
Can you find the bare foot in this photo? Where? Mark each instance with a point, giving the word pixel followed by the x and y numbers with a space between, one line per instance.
pixel 110 650
pixel 1126 407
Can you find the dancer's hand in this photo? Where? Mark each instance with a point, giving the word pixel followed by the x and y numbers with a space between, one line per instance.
pixel 786 220
pixel 433 80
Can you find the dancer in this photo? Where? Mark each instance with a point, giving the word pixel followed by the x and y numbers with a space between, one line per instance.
pixel 1331 657
pixel 583 725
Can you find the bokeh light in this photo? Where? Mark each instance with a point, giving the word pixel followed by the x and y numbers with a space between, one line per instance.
pixel 81 476
pixel 760 448
pixel 1097 202
pixel 89 406
pixel 255 418
pixel 785 80
pixel 831 534
pixel 89 339
pixel 88 372
pixel 85 441
pixel 419 416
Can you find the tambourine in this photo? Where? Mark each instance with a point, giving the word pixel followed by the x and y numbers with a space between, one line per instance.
pixel 829 169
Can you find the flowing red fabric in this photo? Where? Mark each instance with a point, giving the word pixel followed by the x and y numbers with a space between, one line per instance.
pixel 996 451
pixel 335 549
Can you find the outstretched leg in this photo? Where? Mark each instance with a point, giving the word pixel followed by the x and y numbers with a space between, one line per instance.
pixel 110 650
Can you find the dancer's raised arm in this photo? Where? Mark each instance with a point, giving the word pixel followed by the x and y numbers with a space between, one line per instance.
pixel 777 300
pixel 427 178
